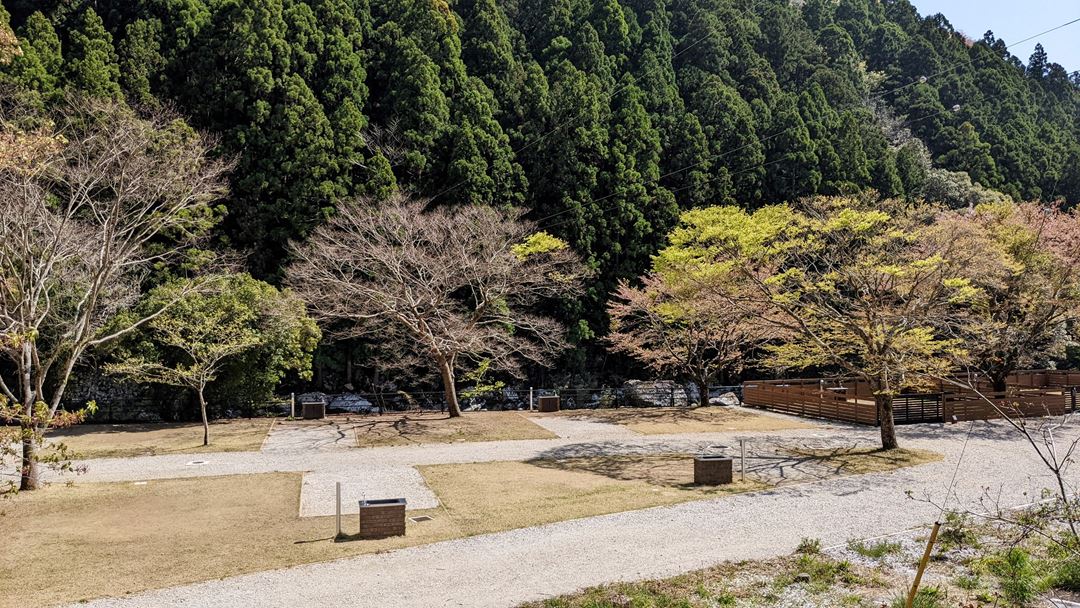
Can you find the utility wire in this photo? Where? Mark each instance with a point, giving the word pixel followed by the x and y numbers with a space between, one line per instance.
pixel 968 60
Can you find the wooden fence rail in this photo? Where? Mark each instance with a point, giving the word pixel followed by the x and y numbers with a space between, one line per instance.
pixel 1031 393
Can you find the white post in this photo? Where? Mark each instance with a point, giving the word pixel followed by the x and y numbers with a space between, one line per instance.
pixel 338 510
pixel 292 405
pixel 530 398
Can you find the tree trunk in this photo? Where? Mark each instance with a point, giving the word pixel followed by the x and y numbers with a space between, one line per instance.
pixel 449 389
pixel 884 403
pixel 205 422
pixel 1000 382
pixel 703 392
pixel 28 479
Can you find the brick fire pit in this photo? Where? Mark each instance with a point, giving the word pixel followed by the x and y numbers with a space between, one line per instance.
pixel 548 403
pixel 313 410
pixel 712 470
pixel 382 518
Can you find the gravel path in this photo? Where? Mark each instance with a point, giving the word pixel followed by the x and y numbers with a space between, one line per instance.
pixel 503 569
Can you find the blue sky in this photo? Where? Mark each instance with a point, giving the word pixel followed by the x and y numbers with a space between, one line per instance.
pixel 1016 20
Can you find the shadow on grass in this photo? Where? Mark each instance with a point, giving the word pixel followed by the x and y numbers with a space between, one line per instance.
pixel 771 462
pixel 407 427
pixel 659 415
pixel 667 470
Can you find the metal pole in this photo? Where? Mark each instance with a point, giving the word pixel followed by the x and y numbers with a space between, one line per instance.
pixel 530 398
pixel 922 564
pixel 742 460
pixel 337 504
pixel 292 405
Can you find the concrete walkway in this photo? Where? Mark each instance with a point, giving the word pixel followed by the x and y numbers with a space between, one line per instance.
pixel 504 569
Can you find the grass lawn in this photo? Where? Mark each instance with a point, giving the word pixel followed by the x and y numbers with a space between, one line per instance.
pixel 67 543
pixel 124 440
pixel 673 420
pixel 92 540
pixel 482 497
pixel 430 427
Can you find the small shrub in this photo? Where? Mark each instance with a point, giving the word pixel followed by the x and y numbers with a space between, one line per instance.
pixel 926 597
pixel 1067 575
pixel 956 533
pixel 1016 575
pixel 809 546
pixel 823 571
pixel 875 550
pixel 968 583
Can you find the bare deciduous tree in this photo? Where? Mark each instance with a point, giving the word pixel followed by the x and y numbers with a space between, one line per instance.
pixel 447 285
pixel 685 331
pixel 90 202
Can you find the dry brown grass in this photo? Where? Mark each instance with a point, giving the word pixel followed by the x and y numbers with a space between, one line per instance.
pixel 125 440
pixel 93 540
pixel 860 461
pixel 483 497
pixel 429 427
pixel 674 420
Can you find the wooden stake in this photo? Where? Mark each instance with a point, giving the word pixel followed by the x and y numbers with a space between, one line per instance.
pixel 922 564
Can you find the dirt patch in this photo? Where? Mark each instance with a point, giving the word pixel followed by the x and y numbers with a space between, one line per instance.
pixel 126 440
pixel 676 420
pixel 418 428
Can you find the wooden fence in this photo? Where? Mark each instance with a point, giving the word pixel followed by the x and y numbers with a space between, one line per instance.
pixel 1031 393
pixel 811 398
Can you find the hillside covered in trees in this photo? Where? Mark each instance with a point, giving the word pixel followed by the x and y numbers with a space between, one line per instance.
pixel 603 118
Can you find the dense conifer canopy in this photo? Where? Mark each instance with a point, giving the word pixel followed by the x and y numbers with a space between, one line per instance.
pixel 603 118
